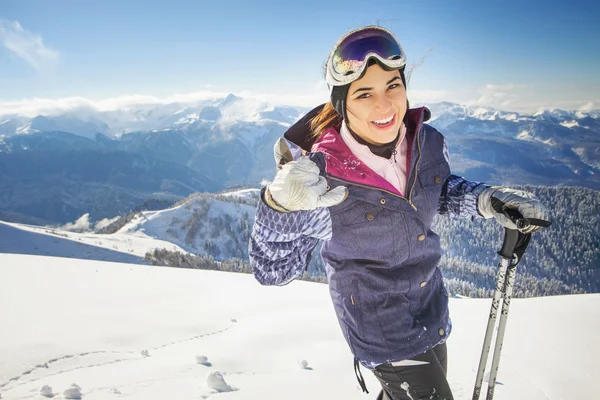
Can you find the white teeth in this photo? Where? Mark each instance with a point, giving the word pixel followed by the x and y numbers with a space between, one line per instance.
pixel 384 121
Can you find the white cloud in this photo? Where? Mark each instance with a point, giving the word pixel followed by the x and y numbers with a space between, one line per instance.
pixel 39 106
pixel 498 96
pixel 81 225
pixel 104 223
pixel 530 99
pixel 587 107
pixel 512 97
pixel 26 45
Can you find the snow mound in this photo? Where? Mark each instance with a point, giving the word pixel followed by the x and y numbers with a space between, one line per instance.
pixel 203 360
pixel 74 392
pixel 46 391
pixel 303 364
pixel 216 381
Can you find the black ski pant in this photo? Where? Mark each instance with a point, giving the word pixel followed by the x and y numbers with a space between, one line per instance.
pixel 421 377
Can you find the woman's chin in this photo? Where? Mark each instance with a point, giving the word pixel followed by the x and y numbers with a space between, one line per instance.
pixel 383 136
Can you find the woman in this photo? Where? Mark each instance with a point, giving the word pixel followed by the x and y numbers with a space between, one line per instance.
pixel 366 176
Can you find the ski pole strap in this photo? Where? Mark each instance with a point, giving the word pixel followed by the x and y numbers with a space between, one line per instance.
pixel 539 222
pixel 515 244
pixel 516 217
pixel 359 376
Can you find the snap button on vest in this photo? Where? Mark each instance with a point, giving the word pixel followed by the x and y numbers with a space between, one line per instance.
pixel 382 201
pixel 423 284
pixel 437 179
pixel 370 216
pixel 327 187
pixel 441 331
pixel 421 238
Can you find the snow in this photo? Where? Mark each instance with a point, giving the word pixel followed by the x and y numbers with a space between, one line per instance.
pixel 202 360
pixel 243 194
pixel 512 117
pixel 570 124
pixel 406 387
pixel 188 119
pixel 80 322
pixel 526 135
pixel 25 130
pixel 73 392
pixel 46 391
pixel 171 224
pixel 216 381
pixel 119 247
pixel 148 231
pixel 581 152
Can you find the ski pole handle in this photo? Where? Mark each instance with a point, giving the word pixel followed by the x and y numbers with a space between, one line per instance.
pixel 511 237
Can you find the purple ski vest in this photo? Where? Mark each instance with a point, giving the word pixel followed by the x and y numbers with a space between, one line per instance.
pixel 380 254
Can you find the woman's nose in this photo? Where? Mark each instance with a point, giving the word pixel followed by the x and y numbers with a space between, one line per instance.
pixel 383 103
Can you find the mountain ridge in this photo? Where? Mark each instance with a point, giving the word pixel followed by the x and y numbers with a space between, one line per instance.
pixel 228 141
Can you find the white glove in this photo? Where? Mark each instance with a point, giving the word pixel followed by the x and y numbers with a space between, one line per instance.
pixel 526 203
pixel 298 186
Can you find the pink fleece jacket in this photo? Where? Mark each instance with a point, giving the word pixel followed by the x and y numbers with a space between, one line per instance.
pixel 392 170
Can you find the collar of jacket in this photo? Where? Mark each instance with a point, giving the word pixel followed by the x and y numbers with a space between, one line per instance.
pixel 342 164
pixel 299 132
pixel 339 162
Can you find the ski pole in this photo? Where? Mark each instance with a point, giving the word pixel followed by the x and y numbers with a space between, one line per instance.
pixel 514 246
pixel 510 241
pixel 501 328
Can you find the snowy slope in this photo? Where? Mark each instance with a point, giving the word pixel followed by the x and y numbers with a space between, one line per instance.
pixel 200 225
pixel 36 240
pixel 223 223
pixel 138 332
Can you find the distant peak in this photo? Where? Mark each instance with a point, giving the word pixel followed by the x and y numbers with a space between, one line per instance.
pixel 230 99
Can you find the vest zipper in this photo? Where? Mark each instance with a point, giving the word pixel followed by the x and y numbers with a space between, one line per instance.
pixel 408 200
pixel 417 163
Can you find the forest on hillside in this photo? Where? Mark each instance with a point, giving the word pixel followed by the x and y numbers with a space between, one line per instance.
pixel 562 259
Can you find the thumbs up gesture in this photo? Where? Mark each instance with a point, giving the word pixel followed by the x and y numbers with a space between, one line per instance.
pixel 298 186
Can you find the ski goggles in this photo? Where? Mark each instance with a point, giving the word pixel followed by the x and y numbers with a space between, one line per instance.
pixel 349 57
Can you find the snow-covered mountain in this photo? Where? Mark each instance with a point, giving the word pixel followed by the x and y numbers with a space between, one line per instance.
pixel 153 117
pixel 213 225
pixel 553 147
pixel 89 330
pixel 216 225
pixel 228 141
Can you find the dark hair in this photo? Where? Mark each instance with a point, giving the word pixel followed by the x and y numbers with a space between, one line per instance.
pixel 326 118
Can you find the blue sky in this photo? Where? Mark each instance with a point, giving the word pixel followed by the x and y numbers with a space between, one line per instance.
pixel 514 55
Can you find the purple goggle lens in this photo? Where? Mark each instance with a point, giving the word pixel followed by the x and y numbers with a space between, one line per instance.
pixel 347 61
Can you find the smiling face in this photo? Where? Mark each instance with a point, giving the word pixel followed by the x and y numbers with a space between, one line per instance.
pixel 376 105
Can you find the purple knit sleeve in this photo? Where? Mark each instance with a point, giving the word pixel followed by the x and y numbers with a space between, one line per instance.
pixel 459 196
pixel 281 243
